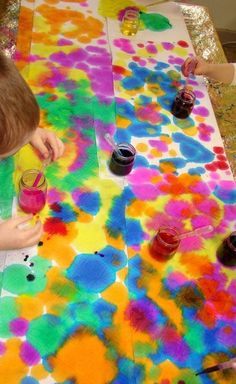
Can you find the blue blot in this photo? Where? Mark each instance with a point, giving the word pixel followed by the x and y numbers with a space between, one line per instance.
pixel 192 150
pixel 63 211
pixel 228 196
pixel 91 273
pixel 126 110
pixel 197 171
pixel 134 232
pixel 141 161
pixel 89 202
pixel 132 280
pixel 104 311
pixel 116 221
pixel 144 129
pixel 113 257
pixel 29 380
pixel 132 83
pixel 160 65
pixel 122 136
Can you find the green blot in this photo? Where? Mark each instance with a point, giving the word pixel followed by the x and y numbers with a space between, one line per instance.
pixel 155 21
pixel 46 334
pixel 9 310
pixel 7 190
pixel 19 279
pixel 194 337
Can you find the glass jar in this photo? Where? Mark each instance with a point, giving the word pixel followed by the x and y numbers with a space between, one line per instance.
pixel 130 22
pixel 165 243
pixel 183 103
pixel 33 191
pixel 226 253
pixel 122 159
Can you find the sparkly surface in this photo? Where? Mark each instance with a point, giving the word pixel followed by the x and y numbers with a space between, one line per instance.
pixel 206 44
pixel 9 13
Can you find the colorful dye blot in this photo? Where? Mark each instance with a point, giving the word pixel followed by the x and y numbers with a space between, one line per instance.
pixel 91 305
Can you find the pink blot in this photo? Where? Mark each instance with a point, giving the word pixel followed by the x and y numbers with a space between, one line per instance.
pixel 29 354
pixel 19 326
pixel 202 111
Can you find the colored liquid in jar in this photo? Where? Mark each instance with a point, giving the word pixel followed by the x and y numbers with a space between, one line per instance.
pixel 164 245
pixel 130 23
pixel 226 252
pixel 129 27
pixel 32 201
pixel 183 104
pixel 122 161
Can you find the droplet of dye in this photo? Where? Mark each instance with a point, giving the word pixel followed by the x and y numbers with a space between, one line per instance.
pixel 30 277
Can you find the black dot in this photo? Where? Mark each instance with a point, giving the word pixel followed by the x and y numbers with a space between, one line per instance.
pixel 26 257
pixel 40 243
pixel 31 264
pixel 30 277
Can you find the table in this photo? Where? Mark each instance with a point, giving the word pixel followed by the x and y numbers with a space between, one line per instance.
pixel 100 309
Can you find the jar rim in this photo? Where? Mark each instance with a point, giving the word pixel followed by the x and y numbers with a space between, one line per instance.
pixel 128 147
pixel 36 172
pixel 174 231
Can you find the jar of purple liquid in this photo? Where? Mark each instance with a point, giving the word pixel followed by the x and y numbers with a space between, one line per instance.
pixel 32 196
pixel 183 103
pixel 122 159
pixel 226 253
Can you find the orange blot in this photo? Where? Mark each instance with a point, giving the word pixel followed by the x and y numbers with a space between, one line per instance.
pixel 88 356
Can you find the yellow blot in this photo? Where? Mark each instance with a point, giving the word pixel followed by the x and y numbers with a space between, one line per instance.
pixel 200 119
pixel 172 152
pixel 155 152
pixel 141 147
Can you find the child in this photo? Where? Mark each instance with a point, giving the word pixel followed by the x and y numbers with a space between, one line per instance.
pixel 19 119
pixel 225 73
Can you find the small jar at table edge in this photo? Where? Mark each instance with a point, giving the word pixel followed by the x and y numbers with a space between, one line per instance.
pixel 122 159
pixel 183 103
pixel 226 252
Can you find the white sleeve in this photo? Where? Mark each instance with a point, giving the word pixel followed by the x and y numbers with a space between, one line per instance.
pixel 234 78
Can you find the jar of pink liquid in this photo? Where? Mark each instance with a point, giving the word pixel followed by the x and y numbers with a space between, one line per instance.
pixel 33 191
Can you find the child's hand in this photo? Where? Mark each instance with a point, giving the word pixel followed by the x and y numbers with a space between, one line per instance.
pixel 12 237
pixel 43 140
pixel 194 65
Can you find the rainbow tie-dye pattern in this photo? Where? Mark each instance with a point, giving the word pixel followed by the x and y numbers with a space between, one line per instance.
pixel 92 306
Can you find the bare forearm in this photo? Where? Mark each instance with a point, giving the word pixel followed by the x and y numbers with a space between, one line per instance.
pixel 220 72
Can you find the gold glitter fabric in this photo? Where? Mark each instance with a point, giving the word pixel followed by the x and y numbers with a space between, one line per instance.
pixel 9 13
pixel 223 97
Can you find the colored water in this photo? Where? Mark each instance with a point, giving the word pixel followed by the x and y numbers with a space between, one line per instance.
pixel 226 253
pixel 32 201
pixel 163 246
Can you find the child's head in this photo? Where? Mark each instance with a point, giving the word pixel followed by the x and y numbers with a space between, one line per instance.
pixel 19 111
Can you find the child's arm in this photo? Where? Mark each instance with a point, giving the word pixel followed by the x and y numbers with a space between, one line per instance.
pixel 12 237
pixel 43 139
pixel 220 72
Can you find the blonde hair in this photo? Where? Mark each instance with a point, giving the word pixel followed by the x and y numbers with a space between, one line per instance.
pixel 19 111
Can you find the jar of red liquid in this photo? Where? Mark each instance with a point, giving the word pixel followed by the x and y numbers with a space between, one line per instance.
pixel 183 103
pixel 122 159
pixel 165 243
pixel 226 253
pixel 33 191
